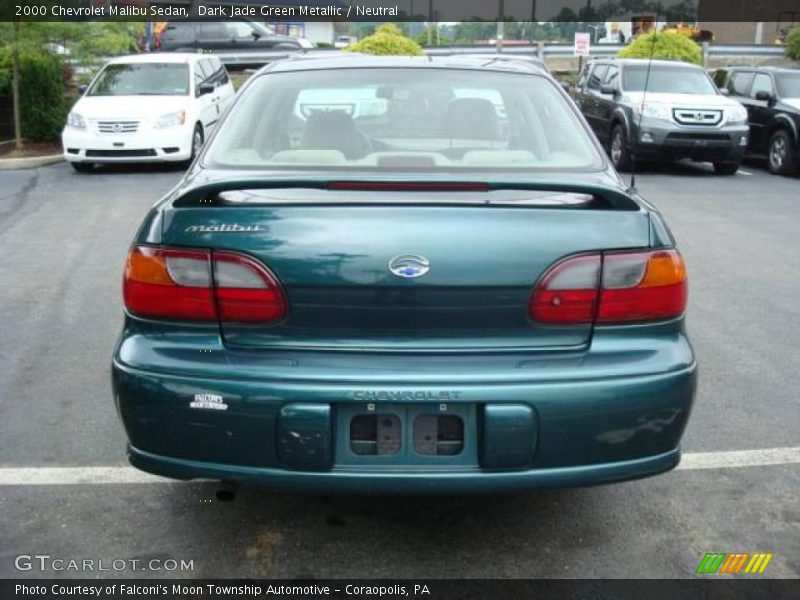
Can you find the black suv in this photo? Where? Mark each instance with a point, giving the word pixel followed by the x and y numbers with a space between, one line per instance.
pixel 772 98
pixel 682 114
pixel 223 35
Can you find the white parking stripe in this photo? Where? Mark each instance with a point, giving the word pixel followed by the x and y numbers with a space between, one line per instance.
pixel 740 458
pixel 104 475
pixel 743 172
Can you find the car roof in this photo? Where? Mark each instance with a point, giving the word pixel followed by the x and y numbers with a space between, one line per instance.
pixel 353 60
pixel 644 61
pixel 159 57
pixel 771 68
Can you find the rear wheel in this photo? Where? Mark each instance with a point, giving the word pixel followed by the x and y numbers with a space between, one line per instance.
pixel 781 153
pixel 726 168
pixel 618 149
pixel 82 167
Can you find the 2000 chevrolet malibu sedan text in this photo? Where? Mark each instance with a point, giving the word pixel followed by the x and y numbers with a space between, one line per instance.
pixel 404 275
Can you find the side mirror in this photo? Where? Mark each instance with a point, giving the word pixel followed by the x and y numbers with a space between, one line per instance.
pixel 608 89
pixel 205 88
pixel 764 96
pixel 725 91
pixel 82 89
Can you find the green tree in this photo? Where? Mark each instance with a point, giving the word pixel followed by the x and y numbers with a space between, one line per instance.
pixel 793 44
pixel 387 39
pixel 671 46
pixel 36 41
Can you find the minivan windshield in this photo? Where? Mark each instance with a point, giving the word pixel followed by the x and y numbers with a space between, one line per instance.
pixel 142 79
pixel 788 84
pixel 667 80
pixel 403 118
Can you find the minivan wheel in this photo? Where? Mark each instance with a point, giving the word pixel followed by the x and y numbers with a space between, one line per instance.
pixel 781 154
pixel 197 141
pixel 726 168
pixel 618 149
pixel 82 167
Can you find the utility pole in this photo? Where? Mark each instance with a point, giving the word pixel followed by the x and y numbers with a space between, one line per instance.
pixel 430 22
pixel 501 27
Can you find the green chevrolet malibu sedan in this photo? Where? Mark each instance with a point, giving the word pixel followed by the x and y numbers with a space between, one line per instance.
pixel 404 275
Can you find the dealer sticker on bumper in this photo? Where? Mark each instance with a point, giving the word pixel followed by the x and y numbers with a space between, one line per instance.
pixel 209 401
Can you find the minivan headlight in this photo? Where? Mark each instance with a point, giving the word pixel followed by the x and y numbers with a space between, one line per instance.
pixel 76 121
pixel 737 115
pixel 172 119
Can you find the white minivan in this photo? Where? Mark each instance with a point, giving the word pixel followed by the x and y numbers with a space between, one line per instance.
pixel 147 107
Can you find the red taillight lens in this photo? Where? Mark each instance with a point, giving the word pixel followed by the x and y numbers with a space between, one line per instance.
pixel 646 286
pixel 633 287
pixel 171 283
pixel 246 291
pixel 567 294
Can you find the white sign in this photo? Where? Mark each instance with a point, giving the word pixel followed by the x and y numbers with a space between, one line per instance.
pixel 582 42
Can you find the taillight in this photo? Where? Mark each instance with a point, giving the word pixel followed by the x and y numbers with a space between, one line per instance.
pixel 246 291
pixel 171 283
pixel 612 288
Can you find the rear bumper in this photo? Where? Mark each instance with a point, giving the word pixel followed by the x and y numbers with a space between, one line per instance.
pixel 614 412
pixel 407 482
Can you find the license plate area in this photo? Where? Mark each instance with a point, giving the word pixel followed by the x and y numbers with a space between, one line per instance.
pixel 406 435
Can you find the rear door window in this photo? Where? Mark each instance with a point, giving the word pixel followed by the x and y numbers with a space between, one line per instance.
pixel 739 85
pixel 596 77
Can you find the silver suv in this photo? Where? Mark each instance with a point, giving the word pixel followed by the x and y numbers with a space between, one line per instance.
pixel 681 115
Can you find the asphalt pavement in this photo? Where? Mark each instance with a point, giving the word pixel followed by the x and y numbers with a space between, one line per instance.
pixel 63 239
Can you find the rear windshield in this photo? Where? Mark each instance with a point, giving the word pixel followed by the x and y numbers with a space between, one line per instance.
pixel 412 119
pixel 788 85
pixel 667 80
pixel 142 79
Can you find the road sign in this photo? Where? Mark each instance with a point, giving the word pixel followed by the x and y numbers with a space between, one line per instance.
pixel 582 42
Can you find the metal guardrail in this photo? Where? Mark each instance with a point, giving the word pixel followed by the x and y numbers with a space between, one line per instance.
pixel 249 59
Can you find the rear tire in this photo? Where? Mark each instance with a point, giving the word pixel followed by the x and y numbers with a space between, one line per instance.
pixel 781 153
pixel 82 167
pixel 197 142
pixel 726 168
pixel 618 150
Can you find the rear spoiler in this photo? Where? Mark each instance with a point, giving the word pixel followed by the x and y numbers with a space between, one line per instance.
pixel 209 194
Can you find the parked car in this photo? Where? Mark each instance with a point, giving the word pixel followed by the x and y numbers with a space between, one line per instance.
pixel 229 35
pixel 147 107
pixel 441 286
pixel 772 98
pixel 681 115
pixel 343 41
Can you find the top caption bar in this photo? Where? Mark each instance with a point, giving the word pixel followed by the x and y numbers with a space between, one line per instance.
pixel 397 10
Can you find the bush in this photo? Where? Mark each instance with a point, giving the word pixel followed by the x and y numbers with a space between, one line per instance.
pixel 670 46
pixel 41 92
pixel 793 44
pixel 387 39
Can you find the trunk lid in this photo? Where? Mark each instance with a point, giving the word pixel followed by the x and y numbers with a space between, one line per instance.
pixel 331 251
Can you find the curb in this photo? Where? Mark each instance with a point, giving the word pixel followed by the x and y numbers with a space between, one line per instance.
pixel 29 162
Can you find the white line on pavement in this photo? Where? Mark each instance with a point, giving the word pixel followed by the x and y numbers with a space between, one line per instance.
pixel 743 172
pixel 105 475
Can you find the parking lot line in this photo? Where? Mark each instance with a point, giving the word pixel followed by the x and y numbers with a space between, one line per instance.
pixel 18 476
pixel 743 172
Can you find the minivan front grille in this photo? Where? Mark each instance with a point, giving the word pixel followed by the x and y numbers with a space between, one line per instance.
pixel 117 126
pixel 694 116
